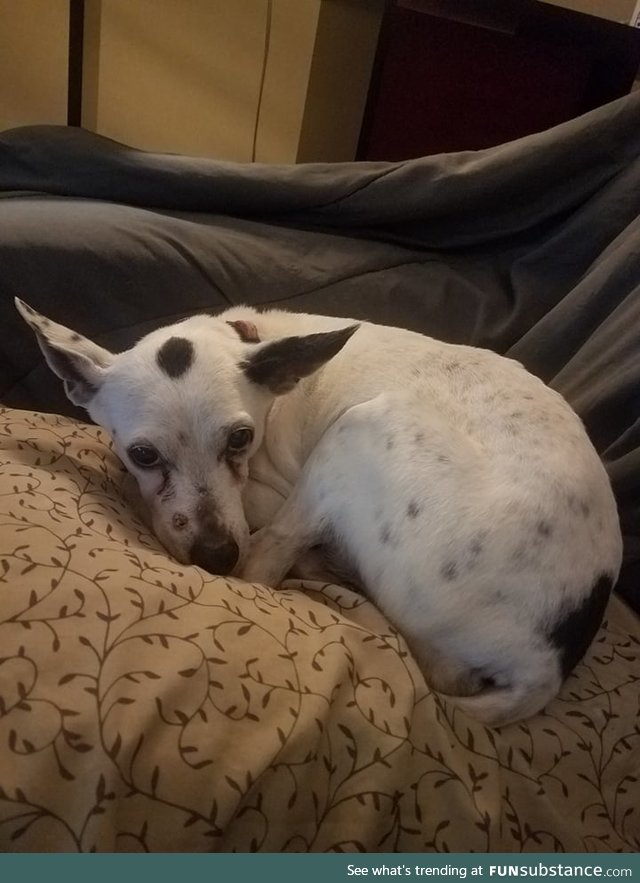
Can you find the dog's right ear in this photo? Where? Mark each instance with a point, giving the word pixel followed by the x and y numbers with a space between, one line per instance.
pixel 279 364
pixel 79 362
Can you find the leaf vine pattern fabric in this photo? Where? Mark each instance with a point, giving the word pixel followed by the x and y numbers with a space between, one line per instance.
pixel 149 706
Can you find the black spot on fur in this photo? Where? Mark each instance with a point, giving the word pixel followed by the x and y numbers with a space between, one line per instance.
pixel 544 529
pixel 413 509
pixel 449 571
pixel 385 533
pixel 577 506
pixel 576 628
pixel 75 337
pixel 419 438
pixel 175 356
pixel 390 443
pixel 475 548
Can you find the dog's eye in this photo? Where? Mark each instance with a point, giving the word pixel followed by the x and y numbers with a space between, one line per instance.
pixel 239 439
pixel 144 456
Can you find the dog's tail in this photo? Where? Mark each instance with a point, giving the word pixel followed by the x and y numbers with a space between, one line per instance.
pixel 527 692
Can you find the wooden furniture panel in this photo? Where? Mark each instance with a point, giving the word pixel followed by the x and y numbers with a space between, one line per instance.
pixel 34 36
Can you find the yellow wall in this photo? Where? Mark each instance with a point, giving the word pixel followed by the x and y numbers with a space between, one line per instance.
pixel 33 62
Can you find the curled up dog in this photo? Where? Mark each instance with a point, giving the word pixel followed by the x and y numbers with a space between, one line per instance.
pixel 462 493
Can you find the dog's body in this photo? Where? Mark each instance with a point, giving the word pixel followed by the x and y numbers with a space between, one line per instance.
pixel 461 491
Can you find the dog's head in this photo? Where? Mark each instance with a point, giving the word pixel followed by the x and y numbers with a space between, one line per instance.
pixel 186 407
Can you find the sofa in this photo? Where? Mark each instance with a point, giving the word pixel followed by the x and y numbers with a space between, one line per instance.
pixel 147 705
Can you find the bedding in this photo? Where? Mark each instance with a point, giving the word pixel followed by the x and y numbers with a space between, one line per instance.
pixel 149 706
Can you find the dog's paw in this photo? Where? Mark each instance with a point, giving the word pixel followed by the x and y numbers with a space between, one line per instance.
pixel 260 565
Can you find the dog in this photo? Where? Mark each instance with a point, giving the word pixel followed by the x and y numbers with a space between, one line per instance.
pixel 460 491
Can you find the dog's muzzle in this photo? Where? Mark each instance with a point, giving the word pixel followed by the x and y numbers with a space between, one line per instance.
pixel 215 556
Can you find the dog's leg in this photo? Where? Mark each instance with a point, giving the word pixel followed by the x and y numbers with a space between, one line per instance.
pixel 302 522
pixel 275 548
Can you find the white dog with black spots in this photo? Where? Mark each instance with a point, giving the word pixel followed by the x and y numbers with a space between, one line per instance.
pixel 460 493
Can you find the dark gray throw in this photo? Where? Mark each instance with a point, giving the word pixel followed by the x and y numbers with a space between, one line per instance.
pixel 531 249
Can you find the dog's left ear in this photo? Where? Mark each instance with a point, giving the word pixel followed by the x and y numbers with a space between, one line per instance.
pixel 246 330
pixel 79 362
pixel 280 365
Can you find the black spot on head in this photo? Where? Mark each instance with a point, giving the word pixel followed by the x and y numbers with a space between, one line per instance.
pixel 576 628
pixel 175 356
pixel 442 458
pixel 544 529
pixel 585 509
pixel 475 548
pixel 449 571
pixel 413 509
pixel 385 533
pixel 75 337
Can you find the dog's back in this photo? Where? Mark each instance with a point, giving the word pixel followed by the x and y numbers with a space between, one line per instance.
pixel 469 499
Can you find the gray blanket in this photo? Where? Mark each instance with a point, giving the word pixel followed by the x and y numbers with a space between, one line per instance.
pixel 531 249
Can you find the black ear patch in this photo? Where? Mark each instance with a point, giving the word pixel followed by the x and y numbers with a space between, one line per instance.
pixel 281 364
pixel 175 356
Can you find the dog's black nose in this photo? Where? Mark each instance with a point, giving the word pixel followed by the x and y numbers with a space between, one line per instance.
pixel 215 556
